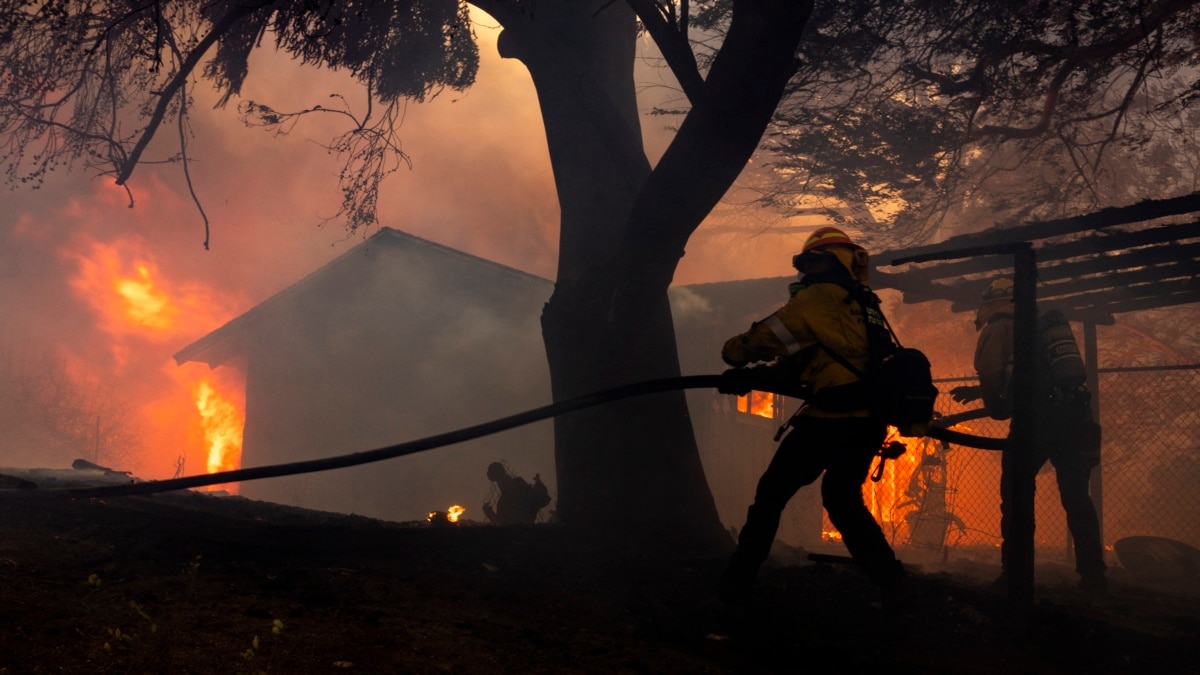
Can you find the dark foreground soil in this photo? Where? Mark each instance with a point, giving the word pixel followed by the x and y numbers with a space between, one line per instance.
pixel 186 583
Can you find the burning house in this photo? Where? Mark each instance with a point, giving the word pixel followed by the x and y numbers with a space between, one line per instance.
pixel 395 340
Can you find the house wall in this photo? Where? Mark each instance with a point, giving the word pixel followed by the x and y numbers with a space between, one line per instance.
pixel 402 347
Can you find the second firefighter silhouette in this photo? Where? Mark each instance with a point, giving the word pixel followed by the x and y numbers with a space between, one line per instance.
pixel 517 502
pixel 831 310
pixel 1065 431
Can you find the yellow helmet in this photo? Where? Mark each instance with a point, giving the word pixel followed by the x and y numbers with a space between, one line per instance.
pixel 827 236
pixel 831 238
pixel 1000 288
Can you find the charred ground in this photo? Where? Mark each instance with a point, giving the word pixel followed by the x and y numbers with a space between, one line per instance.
pixel 188 583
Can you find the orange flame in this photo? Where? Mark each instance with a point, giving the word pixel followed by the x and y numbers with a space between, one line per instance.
pixel 146 316
pixel 222 422
pixel 881 497
pixel 124 287
pixel 450 515
pixel 145 304
pixel 759 403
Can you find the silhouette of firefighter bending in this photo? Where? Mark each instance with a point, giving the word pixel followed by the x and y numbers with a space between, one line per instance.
pixel 516 501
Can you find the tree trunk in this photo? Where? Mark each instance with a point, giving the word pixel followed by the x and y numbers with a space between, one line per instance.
pixel 630 471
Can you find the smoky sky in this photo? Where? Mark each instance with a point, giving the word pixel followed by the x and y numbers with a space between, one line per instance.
pixel 481 182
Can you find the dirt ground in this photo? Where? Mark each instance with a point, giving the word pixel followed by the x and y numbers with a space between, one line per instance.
pixel 188 583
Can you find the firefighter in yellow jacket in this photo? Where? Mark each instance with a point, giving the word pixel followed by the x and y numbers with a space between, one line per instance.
pixel 833 433
pixel 1066 433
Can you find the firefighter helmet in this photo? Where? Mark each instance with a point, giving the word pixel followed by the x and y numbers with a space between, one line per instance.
pixel 827 236
pixel 824 239
pixel 1000 288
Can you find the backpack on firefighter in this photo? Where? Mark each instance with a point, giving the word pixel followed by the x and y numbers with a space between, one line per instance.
pixel 897 386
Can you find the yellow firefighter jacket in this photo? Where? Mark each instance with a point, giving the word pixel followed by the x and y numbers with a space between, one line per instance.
pixel 993 355
pixel 817 311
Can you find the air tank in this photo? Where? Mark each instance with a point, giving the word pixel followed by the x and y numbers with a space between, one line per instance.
pixel 1060 350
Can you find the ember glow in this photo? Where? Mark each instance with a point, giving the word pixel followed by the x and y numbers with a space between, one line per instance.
pixel 759 403
pixel 450 515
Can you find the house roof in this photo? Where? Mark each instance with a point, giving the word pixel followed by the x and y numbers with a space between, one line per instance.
pixel 229 341
pixel 1092 267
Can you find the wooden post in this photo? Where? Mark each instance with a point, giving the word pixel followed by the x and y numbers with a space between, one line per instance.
pixel 1017 460
pixel 1093 383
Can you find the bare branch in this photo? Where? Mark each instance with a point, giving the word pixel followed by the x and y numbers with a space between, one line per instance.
pixel 371 151
pixel 672 41
pixel 237 13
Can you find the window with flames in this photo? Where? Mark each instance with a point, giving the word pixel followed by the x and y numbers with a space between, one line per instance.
pixel 759 403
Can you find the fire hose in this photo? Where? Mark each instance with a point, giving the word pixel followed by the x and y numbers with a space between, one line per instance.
pixel 938 431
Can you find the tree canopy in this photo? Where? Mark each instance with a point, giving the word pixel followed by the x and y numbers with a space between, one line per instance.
pixel 93 83
pixel 1010 111
pixel 915 103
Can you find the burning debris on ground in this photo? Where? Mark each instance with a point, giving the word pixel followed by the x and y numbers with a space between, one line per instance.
pixel 451 516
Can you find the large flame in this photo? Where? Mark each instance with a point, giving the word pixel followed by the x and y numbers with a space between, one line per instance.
pixel 222 422
pixel 190 412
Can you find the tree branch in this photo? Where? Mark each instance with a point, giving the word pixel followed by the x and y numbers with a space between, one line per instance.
pixel 1071 59
pixel 672 41
pixel 1043 123
pixel 186 68
pixel 719 134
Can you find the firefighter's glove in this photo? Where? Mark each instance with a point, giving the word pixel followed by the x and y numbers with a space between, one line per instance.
pixel 965 393
pixel 736 381
pixel 732 361
pixel 735 352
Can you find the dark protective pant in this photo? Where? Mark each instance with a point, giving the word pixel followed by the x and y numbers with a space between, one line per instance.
pixel 1062 436
pixel 843 449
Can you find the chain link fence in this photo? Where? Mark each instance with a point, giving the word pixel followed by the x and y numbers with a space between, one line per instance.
pixel 943 499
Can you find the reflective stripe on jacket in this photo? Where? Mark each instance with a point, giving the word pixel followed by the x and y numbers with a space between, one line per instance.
pixel 816 311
